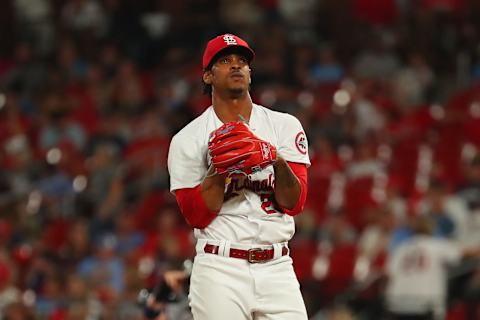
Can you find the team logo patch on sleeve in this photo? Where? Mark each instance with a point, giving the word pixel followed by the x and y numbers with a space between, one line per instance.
pixel 301 142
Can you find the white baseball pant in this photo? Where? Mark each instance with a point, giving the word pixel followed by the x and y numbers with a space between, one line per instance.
pixel 223 288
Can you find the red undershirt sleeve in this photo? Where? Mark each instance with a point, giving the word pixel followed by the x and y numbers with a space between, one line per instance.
pixel 198 215
pixel 193 207
pixel 300 170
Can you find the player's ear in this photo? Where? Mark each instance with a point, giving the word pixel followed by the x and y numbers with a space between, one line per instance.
pixel 207 77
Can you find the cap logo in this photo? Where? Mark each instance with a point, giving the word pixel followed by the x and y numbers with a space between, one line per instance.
pixel 229 40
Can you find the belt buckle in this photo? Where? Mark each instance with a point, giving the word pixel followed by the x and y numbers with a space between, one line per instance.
pixel 252 258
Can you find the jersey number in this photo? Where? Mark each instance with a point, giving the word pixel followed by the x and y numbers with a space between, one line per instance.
pixel 414 261
pixel 267 202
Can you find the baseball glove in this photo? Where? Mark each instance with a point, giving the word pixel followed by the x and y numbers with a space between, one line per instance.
pixel 234 148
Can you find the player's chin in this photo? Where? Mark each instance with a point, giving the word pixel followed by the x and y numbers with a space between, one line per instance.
pixel 237 91
pixel 239 87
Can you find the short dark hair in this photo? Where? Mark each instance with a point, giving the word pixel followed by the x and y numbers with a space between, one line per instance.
pixel 423 225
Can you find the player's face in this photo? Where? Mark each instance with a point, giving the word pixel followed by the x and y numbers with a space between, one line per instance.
pixel 230 72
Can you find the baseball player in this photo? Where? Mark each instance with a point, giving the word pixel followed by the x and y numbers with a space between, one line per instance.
pixel 239 174
pixel 417 274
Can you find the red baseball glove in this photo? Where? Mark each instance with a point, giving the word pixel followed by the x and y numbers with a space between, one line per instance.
pixel 234 148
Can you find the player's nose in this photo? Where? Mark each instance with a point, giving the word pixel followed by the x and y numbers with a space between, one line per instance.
pixel 236 62
pixel 235 65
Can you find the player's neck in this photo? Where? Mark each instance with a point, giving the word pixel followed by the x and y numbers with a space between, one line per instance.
pixel 228 109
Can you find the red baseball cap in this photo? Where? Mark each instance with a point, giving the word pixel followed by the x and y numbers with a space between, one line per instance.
pixel 222 42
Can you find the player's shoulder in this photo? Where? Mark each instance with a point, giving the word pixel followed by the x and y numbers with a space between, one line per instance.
pixel 278 117
pixel 193 130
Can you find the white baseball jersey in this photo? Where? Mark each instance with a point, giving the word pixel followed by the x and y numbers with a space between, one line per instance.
pixel 248 214
pixel 417 272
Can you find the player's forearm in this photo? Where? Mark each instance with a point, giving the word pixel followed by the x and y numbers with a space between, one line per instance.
pixel 287 186
pixel 213 188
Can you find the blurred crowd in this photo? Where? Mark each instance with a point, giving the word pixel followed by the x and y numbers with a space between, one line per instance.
pixel 91 91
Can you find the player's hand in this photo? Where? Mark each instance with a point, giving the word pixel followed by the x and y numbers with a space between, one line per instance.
pixel 235 149
pixel 175 279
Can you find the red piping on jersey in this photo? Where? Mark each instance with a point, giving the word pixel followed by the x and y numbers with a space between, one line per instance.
pixel 300 170
pixel 193 207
